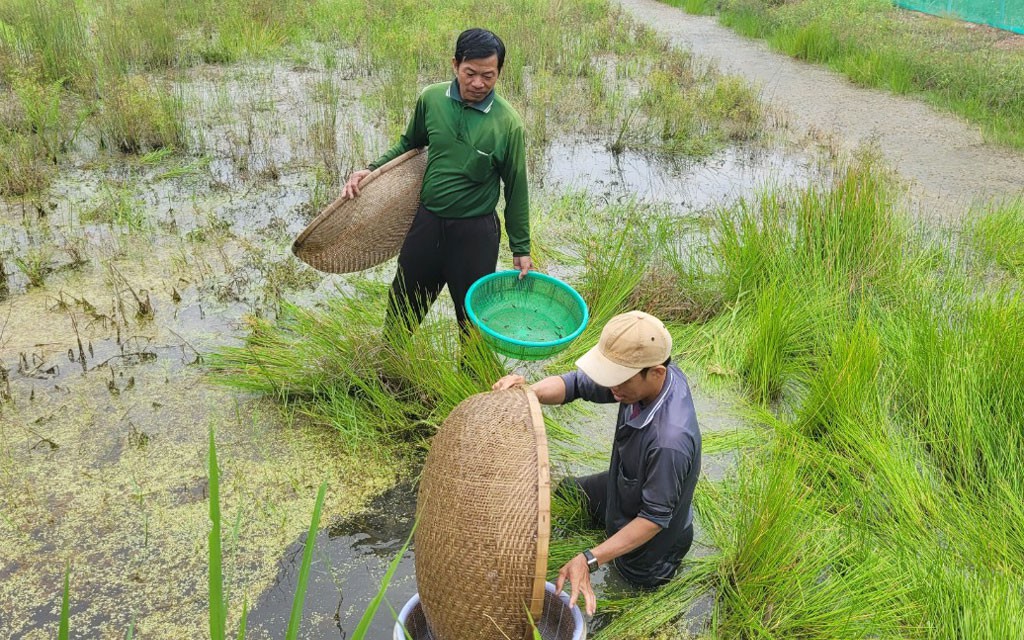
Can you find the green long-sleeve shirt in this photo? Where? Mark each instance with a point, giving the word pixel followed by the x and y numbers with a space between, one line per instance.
pixel 472 147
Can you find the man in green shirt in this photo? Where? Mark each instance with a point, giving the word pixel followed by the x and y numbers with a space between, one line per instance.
pixel 476 142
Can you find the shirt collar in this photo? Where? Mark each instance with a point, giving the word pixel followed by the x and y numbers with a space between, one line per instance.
pixel 647 413
pixel 484 106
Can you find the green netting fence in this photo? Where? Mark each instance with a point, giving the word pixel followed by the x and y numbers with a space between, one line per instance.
pixel 1002 14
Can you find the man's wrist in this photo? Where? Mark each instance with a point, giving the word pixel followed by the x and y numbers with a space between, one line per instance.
pixel 592 564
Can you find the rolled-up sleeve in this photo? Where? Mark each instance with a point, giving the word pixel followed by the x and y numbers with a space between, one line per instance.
pixel 578 385
pixel 663 488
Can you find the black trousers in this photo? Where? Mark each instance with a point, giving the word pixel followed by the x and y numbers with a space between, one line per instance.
pixel 595 489
pixel 439 251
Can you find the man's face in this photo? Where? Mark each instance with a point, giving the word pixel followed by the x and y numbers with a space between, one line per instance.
pixel 639 387
pixel 476 77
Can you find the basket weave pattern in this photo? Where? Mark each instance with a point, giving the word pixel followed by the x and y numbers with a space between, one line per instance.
pixel 353 234
pixel 484 519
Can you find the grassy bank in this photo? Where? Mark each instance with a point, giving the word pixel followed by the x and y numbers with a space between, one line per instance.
pixel 955 66
pixel 881 366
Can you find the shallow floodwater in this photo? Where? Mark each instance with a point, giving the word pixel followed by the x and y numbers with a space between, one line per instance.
pixel 687 186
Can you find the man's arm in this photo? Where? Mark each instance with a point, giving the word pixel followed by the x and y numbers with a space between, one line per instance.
pixel 517 201
pixel 661 493
pixel 550 390
pixel 635 534
pixel 415 136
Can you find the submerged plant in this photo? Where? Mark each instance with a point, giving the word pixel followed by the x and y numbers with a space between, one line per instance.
pixel 35 264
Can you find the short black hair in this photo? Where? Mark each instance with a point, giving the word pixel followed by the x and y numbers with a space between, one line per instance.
pixel 475 44
pixel 643 372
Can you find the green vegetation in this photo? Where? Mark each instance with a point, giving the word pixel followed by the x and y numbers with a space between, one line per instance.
pixel 218 603
pixel 118 206
pixel 998 236
pixel 109 71
pixel 295 619
pixel 883 371
pixel 877 492
pixel 881 368
pixel 333 365
pixel 23 171
pixel 136 116
pixel 953 65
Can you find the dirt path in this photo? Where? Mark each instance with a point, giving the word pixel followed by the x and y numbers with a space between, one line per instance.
pixel 945 161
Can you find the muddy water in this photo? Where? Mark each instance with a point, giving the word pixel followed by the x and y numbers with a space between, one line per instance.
pixel 945 161
pixel 106 410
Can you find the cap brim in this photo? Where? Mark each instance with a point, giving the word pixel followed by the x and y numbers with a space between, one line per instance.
pixel 602 370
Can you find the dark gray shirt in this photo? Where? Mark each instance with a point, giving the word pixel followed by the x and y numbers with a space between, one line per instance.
pixel 654 469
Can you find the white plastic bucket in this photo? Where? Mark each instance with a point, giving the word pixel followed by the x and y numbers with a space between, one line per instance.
pixel 579 625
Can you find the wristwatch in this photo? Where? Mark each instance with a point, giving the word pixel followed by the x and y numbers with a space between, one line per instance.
pixel 591 560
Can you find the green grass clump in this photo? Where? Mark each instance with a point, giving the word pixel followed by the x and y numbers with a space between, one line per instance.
pixel 137 116
pixel 333 364
pixel 118 206
pixel 23 170
pixel 44 117
pixel 48 37
pixel 137 35
pixel 885 373
pixel 36 264
pixel 998 236
pixel 952 65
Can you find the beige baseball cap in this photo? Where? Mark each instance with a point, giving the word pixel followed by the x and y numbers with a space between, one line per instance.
pixel 629 342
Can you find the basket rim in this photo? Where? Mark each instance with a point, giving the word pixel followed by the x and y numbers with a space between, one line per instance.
pixel 579 623
pixel 527 343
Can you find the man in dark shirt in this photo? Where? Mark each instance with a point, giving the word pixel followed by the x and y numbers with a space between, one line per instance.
pixel 645 498
pixel 476 142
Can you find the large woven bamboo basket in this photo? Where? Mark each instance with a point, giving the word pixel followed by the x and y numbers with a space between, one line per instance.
pixel 484 511
pixel 353 234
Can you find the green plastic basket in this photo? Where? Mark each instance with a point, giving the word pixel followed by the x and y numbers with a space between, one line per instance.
pixel 528 319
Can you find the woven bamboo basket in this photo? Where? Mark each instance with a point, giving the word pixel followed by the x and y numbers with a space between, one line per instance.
pixel 353 234
pixel 484 510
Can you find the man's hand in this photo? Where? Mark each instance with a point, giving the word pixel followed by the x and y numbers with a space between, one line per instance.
pixel 577 573
pixel 508 382
pixel 523 263
pixel 351 189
